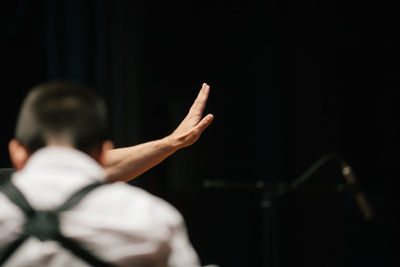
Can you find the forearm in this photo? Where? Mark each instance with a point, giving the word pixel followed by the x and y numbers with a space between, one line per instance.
pixel 124 164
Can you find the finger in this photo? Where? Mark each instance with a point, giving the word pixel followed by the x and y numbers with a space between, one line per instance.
pixel 201 101
pixel 204 123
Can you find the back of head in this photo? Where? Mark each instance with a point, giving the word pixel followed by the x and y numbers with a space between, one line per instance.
pixel 63 113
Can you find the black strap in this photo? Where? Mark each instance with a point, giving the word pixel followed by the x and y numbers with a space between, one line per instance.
pixel 16 196
pixel 81 252
pixel 44 224
pixel 12 248
pixel 78 196
pixel 6 172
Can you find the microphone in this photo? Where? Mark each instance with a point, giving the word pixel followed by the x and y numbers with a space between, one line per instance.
pixel 358 194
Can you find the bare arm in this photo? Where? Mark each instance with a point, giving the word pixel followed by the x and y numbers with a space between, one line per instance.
pixel 124 164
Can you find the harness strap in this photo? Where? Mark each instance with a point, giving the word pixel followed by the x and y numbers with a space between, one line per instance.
pixel 16 196
pixel 78 196
pixel 44 224
pixel 12 248
pixel 81 252
pixel 6 172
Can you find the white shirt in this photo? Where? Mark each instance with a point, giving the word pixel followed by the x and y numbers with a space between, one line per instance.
pixel 124 225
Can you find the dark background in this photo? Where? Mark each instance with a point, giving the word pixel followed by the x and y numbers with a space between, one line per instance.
pixel 291 81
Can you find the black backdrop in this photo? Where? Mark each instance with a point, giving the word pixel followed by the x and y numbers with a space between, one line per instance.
pixel 291 81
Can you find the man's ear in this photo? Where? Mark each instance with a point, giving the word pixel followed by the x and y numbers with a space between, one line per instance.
pixel 18 153
pixel 107 145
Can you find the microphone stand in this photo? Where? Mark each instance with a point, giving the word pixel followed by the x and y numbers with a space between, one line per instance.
pixel 271 192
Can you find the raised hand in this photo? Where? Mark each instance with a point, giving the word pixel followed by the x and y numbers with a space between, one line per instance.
pixel 190 129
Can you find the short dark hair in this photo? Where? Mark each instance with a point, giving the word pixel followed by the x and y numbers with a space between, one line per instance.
pixel 62 112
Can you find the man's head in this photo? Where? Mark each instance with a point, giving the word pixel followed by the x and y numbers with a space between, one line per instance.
pixel 59 113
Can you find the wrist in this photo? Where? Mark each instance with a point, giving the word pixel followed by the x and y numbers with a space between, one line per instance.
pixel 171 143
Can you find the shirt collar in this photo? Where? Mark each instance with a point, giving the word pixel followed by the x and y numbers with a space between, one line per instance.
pixel 62 160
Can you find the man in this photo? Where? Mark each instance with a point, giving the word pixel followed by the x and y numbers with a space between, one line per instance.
pixel 59 149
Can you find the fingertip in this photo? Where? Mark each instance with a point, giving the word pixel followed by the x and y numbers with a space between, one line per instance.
pixel 203 87
pixel 205 122
pixel 210 118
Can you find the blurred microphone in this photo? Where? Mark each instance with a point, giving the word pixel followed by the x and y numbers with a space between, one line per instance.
pixel 358 194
